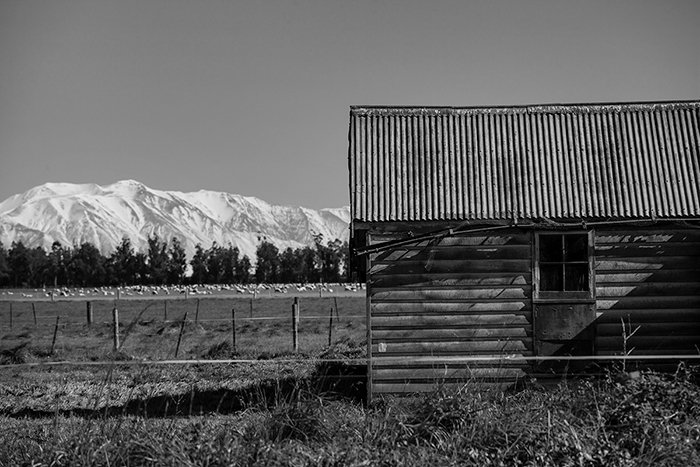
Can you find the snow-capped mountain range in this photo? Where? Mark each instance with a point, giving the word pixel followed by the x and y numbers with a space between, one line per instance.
pixel 102 215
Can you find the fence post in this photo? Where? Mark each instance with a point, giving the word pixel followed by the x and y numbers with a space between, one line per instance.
pixel 115 319
pixel 196 313
pixel 295 324
pixel 10 315
pixel 251 307
pixel 55 331
pixel 179 336
pixel 88 311
pixel 335 302
pixel 34 313
pixel 233 327
pixel 330 328
pixel 165 310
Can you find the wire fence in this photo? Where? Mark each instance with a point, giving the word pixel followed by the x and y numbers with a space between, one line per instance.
pixel 238 330
pixel 161 328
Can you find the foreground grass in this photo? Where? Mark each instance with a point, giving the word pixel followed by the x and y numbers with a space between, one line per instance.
pixel 650 420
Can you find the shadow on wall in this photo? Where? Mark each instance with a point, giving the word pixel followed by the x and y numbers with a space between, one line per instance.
pixel 648 298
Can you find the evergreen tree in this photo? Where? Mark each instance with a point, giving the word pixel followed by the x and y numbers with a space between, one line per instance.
pixel 289 262
pixel 267 264
pixel 87 266
pixel 58 263
pixel 39 269
pixel 177 262
pixel 229 263
pixel 123 263
pixel 5 272
pixel 18 259
pixel 308 270
pixel 344 254
pixel 157 260
pixel 243 270
pixel 142 271
pixel 214 264
pixel 199 265
pixel 329 260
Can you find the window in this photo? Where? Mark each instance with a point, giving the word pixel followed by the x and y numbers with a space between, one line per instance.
pixel 563 264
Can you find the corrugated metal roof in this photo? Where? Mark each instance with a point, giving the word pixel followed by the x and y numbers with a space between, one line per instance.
pixel 583 161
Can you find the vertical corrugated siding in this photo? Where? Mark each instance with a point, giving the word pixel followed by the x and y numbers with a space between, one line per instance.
pixel 650 280
pixel 462 295
pixel 616 161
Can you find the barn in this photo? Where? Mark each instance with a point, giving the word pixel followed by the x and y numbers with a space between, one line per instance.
pixel 496 239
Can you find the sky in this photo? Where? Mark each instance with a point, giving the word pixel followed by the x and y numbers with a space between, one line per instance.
pixel 253 97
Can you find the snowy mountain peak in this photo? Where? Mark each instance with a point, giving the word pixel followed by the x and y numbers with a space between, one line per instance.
pixel 76 213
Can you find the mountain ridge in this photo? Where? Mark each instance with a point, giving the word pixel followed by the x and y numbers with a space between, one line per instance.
pixel 76 213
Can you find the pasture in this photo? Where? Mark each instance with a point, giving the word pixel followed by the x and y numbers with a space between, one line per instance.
pixel 287 407
pixel 150 326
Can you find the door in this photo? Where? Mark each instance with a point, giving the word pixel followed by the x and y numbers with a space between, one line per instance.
pixel 563 297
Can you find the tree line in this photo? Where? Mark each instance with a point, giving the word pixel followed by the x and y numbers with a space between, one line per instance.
pixel 166 263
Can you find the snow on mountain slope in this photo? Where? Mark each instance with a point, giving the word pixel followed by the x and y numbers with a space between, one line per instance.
pixel 102 215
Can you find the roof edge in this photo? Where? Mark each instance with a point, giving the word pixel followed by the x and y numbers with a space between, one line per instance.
pixel 523 109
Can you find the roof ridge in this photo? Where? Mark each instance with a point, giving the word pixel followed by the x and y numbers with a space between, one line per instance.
pixel 527 108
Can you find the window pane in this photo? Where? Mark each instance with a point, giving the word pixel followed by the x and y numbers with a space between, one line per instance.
pixel 551 277
pixel 550 248
pixel 575 247
pixel 576 277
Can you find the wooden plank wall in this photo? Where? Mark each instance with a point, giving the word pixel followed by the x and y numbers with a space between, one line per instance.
pixel 460 296
pixel 650 279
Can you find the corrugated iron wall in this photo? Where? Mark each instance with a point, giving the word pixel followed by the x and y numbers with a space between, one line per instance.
pixel 621 161
pixel 464 295
pixel 651 280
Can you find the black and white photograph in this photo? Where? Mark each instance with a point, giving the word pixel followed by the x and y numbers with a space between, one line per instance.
pixel 350 233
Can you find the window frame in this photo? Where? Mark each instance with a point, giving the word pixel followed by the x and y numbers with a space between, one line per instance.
pixel 568 295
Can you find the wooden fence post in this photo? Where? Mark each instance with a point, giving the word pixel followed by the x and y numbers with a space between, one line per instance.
pixel 34 313
pixel 179 336
pixel 196 313
pixel 295 324
pixel 233 328
pixel 330 328
pixel 10 315
pixel 88 312
pixel 335 302
pixel 115 320
pixel 55 332
pixel 251 307
pixel 165 310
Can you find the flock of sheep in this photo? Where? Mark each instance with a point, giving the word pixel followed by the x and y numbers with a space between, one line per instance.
pixel 195 289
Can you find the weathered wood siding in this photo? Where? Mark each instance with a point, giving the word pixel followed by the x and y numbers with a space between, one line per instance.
pixel 651 280
pixel 460 296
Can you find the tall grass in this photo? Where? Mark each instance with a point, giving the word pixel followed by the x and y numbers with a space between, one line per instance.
pixel 649 420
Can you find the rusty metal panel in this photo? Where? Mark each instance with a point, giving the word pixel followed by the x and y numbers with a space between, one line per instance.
pixel 562 321
pixel 601 161
pixel 564 327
